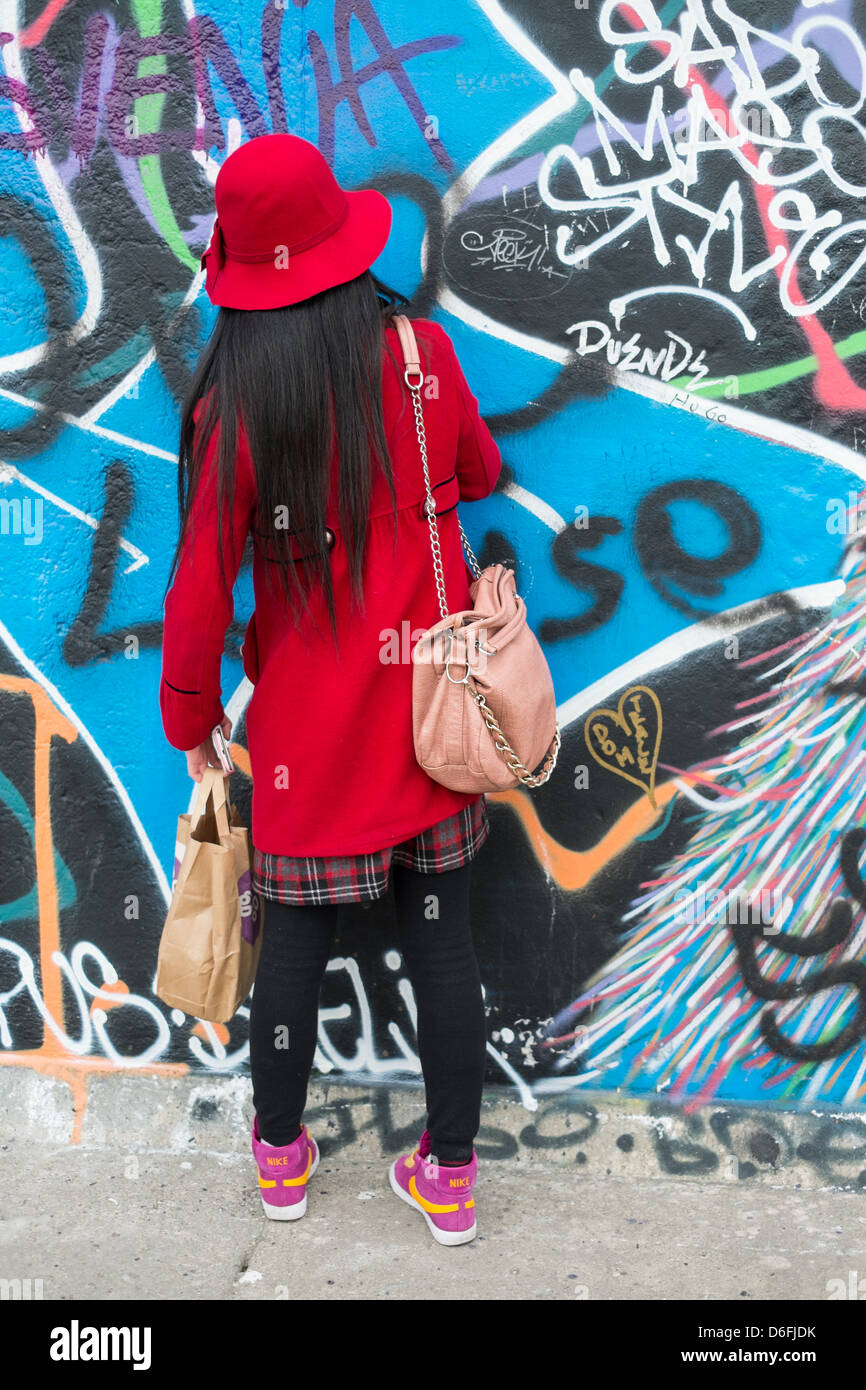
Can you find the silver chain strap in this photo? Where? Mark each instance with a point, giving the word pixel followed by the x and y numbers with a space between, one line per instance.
pixel 523 773
pixel 430 504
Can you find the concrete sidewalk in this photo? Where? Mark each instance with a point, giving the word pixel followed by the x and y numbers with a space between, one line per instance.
pixel 109 1224
pixel 143 1187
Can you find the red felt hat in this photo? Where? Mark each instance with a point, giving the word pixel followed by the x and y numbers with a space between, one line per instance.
pixel 285 229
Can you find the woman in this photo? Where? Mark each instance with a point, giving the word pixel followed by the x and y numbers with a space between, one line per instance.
pixel 299 428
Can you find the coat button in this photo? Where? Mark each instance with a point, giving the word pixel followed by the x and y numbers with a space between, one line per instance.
pixel 329 538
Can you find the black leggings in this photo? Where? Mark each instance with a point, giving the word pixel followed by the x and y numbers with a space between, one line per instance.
pixel 439 959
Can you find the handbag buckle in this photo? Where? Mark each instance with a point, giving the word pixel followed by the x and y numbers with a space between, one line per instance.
pixel 464 680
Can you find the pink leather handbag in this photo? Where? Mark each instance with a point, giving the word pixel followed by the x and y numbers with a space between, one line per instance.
pixel 483 705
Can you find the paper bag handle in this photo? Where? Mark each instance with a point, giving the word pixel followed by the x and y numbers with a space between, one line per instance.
pixel 213 785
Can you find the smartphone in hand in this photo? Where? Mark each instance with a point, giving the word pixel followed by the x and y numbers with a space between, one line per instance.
pixel 221 749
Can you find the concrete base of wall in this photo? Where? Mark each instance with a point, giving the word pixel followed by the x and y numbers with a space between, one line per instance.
pixel 605 1135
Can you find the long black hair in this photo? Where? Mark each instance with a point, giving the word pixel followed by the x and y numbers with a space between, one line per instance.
pixel 303 379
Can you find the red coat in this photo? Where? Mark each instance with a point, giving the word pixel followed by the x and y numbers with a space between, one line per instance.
pixel 330 741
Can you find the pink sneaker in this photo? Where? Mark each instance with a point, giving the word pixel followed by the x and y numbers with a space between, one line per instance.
pixel 443 1195
pixel 283 1174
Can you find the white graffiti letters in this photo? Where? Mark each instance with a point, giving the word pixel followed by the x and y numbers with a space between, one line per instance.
pixel 761 128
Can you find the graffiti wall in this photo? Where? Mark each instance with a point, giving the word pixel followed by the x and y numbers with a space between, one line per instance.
pixel 641 223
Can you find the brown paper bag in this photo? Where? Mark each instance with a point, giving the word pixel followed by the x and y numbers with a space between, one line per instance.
pixel 211 940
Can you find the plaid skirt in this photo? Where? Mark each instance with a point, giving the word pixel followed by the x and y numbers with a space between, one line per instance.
pixel 358 878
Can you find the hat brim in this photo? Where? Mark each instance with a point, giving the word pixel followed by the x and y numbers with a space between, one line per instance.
pixel 342 256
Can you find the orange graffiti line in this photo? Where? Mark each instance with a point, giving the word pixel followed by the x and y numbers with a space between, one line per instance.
pixel 831 1081
pixel 49 721
pixel 572 869
pixel 35 32
pixel 219 1029
pixel 74 1071
pixel 46 885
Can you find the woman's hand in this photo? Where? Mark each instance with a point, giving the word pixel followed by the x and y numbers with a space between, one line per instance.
pixel 197 759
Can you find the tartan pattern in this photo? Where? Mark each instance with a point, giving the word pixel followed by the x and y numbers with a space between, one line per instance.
pixel 356 878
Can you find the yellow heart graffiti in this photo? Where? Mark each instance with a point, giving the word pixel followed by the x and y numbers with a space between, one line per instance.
pixel 627 740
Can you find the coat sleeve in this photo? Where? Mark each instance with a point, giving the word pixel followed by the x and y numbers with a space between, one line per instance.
pixel 199 607
pixel 479 461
